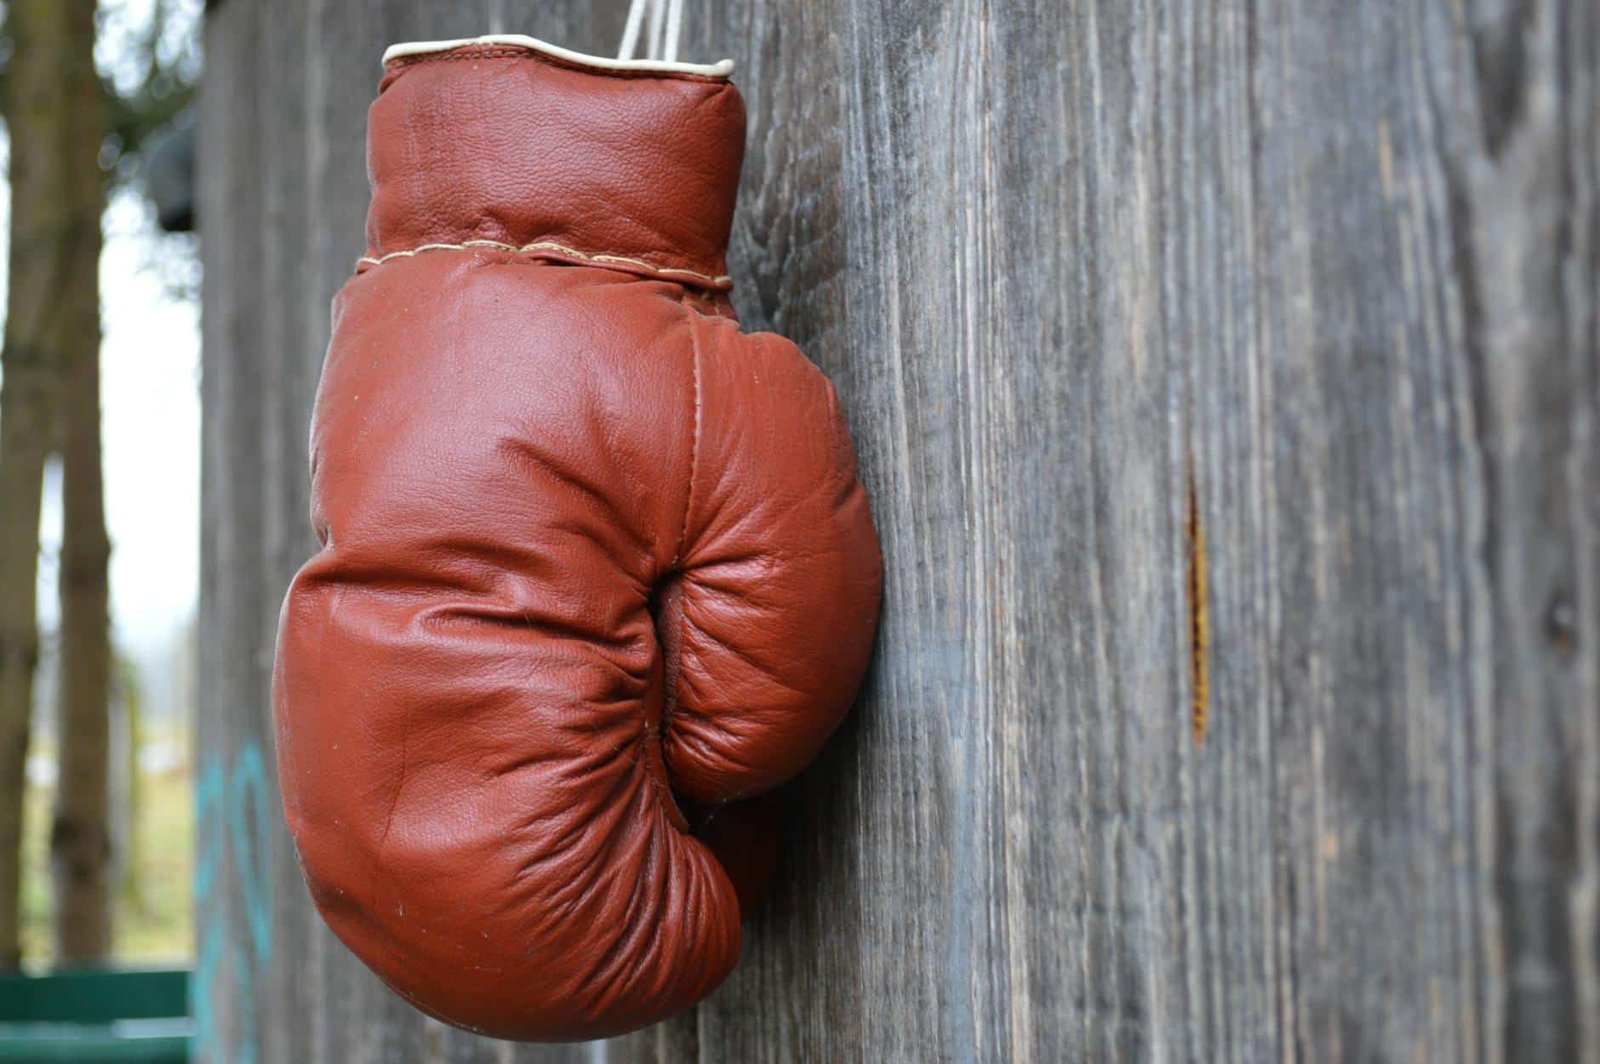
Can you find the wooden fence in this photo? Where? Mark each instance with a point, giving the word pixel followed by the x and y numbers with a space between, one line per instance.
pixel 1226 378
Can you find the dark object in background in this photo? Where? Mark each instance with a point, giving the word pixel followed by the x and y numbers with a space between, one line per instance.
pixel 168 173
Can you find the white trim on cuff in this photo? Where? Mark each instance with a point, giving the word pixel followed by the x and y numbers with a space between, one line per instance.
pixel 516 40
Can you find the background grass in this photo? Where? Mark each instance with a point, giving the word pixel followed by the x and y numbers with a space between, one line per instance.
pixel 153 918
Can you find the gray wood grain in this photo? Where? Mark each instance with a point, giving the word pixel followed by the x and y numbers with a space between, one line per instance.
pixel 1245 346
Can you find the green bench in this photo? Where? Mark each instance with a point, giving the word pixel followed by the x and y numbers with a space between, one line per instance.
pixel 98 1015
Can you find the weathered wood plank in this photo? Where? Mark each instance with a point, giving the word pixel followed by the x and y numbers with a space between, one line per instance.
pixel 1293 305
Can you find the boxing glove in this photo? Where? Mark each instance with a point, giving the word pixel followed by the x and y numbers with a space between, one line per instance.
pixel 594 563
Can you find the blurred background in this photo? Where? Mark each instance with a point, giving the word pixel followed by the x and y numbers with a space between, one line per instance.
pixel 1226 380
pixel 104 880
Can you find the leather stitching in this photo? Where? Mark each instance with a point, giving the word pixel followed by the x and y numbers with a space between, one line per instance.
pixel 671 699
pixel 694 438
pixel 598 258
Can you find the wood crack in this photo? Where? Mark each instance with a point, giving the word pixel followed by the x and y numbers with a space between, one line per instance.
pixel 1194 544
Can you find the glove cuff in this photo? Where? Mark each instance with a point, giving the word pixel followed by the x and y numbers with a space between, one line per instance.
pixel 511 144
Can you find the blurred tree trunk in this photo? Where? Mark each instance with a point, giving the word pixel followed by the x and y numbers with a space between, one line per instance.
pixel 44 253
pixel 80 839
pixel 60 114
pixel 129 791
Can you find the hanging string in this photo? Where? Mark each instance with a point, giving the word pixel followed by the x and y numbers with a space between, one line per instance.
pixel 630 33
pixel 658 16
pixel 669 46
pixel 660 22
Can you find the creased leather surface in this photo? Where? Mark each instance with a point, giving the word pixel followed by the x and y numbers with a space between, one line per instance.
pixel 595 562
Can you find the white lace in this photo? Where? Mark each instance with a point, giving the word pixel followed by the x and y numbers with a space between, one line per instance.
pixel 665 21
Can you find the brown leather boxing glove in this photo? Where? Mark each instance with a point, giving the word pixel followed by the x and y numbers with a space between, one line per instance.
pixel 587 549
